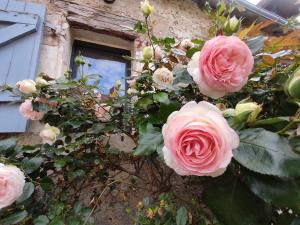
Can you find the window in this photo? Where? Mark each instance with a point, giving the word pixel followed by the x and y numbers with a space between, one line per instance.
pixel 105 61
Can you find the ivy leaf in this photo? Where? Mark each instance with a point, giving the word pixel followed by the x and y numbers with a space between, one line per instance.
pixel 27 192
pixel 150 141
pixel 30 165
pixel 181 216
pixel 233 204
pixel 41 220
pixel 273 190
pixel 268 153
pixel 14 218
pixel 161 97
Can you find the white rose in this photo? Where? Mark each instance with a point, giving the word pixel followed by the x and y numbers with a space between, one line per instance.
pixel 163 77
pixel 49 134
pixel 12 181
pixel 26 86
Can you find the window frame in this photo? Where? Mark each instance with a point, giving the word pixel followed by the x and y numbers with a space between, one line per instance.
pixel 106 51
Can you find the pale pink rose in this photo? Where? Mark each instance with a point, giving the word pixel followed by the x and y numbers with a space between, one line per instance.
pixel 49 134
pixel 26 86
pixel 27 111
pixel 222 67
pixel 12 181
pixel 102 112
pixel 198 140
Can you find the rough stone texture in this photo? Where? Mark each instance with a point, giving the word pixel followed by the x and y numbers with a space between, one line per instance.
pixel 179 18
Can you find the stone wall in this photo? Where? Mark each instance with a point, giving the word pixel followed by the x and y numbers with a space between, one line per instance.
pixel 179 18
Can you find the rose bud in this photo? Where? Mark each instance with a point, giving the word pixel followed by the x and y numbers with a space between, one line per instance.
pixel 292 86
pixel 146 8
pixel 247 111
pixel 117 84
pixel 147 53
pixel 49 134
pixel 26 86
pixel 12 181
pixel 232 25
pixel 163 77
pixel 41 82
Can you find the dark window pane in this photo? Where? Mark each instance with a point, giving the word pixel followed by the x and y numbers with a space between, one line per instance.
pixel 104 61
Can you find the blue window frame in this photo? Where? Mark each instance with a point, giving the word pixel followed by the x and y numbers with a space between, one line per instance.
pixel 105 61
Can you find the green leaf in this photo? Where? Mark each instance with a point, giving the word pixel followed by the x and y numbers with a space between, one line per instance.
pixel 41 220
pixel 27 192
pixel 14 218
pixel 191 52
pixel 7 143
pixel 181 216
pixel 30 165
pixel 273 190
pixel 233 204
pixel 150 141
pixel 57 221
pixel 161 97
pixel 182 78
pixel 77 207
pixel 47 184
pixel 274 124
pixel 144 102
pixel 139 27
pixel 268 153
pixel 295 143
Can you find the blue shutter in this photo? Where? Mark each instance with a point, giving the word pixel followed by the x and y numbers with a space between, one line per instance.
pixel 20 42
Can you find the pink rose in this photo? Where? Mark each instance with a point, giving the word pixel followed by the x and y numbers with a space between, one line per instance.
pixel 198 140
pixel 27 111
pixel 12 181
pixel 223 66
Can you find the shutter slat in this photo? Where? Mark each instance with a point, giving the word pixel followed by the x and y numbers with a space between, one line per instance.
pixel 16 31
pixel 18 17
pixel 3 4
pixel 18 6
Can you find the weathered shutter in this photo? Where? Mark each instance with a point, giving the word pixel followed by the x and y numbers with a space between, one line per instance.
pixel 21 31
